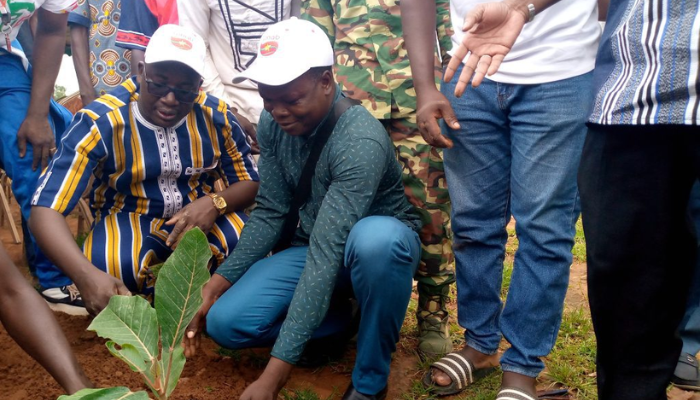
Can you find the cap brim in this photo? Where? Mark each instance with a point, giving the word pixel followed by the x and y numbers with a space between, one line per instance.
pixel 199 69
pixel 268 74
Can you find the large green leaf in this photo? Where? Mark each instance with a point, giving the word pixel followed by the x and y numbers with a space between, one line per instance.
pixel 179 287
pixel 115 393
pixel 131 356
pixel 129 320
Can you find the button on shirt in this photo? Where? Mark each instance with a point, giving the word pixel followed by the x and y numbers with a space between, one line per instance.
pixel 357 175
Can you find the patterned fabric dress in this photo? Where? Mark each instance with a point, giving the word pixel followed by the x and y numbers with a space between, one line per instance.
pixel 109 64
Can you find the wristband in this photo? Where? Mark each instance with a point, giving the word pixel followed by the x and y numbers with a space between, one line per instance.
pixel 530 12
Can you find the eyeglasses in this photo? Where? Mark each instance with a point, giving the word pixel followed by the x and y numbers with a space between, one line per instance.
pixel 162 90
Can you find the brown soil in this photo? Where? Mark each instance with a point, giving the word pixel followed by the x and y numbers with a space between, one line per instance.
pixel 212 374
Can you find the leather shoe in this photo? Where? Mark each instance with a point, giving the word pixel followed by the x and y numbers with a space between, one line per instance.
pixel 352 394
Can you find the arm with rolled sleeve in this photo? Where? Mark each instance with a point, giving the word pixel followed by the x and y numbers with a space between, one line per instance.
pixel 349 197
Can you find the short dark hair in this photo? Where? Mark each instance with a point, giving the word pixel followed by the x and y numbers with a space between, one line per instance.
pixel 315 73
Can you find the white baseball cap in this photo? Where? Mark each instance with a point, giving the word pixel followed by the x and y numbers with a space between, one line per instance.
pixel 179 44
pixel 287 49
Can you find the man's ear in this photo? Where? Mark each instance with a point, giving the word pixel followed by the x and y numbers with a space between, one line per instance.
pixel 141 68
pixel 327 81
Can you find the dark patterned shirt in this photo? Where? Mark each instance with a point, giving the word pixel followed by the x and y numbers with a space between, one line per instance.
pixel 357 175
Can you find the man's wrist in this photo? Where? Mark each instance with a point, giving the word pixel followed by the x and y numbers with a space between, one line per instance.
pixel 277 373
pixel 219 203
pixel 524 8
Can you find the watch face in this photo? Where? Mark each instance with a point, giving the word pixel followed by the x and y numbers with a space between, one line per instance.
pixel 220 203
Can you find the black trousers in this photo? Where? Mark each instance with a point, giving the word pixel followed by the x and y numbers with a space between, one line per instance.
pixel 635 182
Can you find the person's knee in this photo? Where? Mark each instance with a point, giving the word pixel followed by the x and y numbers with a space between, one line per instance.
pixel 382 244
pixel 233 330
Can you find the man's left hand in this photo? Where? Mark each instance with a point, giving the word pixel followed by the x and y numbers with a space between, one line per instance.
pixel 36 131
pixel 260 390
pixel 201 213
pixel 272 380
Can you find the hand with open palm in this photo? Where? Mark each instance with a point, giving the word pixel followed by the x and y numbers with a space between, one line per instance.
pixel 491 30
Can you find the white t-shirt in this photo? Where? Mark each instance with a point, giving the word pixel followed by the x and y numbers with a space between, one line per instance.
pixel 232 30
pixel 561 42
pixel 22 10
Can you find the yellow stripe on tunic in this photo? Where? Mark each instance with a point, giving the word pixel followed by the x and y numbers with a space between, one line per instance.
pixel 118 129
pixel 113 263
pixel 138 173
pixel 196 153
pixel 77 170
pixel 136 245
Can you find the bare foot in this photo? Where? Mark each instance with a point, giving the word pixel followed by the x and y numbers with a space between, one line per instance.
pixel 525 383
pixel 480 361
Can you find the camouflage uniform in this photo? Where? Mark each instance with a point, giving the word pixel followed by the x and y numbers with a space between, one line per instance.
pixel 372 66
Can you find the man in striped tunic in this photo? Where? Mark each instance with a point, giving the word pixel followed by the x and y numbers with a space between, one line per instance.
pixel 156 146
pixel 639 163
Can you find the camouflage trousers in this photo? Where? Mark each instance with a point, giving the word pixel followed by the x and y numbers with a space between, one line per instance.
pixel 426 188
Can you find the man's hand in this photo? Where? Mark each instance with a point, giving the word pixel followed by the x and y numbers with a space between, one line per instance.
pixel 432 105
pixel 492 29
pixel 272 380
pixel 260 390
pixel 249 130
pixel 217 286
pixel 36 131
pixel 201 213
pixel 98 288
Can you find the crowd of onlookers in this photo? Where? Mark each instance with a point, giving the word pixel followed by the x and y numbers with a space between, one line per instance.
pixel 375 143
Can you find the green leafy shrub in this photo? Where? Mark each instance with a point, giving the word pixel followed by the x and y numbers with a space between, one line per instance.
pixel 147 339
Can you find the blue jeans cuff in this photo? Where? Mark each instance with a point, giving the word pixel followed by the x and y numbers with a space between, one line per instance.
pixel 531 372
pixel 479 348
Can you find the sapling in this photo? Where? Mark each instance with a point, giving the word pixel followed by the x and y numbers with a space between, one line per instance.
pixel 150 340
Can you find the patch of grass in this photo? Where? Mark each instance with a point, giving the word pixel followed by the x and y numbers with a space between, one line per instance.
pixel 572 361
pixel 416 392
pixel 304 394
pixel 579 250
pixel 234 354
pixel 511 247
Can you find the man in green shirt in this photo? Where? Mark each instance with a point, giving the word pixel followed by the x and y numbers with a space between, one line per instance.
pixel 357 233
pixel 372 66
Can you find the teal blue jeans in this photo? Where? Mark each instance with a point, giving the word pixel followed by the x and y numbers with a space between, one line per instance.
pixel 381 256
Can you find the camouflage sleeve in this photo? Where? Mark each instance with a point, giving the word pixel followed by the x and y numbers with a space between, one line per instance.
pixel 320 12
pixel 443 25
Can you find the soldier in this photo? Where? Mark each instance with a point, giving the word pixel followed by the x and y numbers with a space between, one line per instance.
pixel 371 65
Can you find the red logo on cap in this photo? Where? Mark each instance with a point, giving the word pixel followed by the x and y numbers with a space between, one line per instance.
pixel 268 48
pixel 181 43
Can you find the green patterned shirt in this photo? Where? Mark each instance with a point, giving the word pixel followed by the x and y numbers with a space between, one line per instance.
pixel 357 175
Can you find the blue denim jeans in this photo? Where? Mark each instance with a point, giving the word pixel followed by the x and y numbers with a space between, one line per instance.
pixel 516 154
pixel 690 325
pixel 15 90
pixel 381 256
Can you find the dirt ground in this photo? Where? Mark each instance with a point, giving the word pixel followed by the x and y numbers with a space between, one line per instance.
pixel 213 374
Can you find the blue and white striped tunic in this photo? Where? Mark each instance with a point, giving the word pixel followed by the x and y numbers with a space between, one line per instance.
pixel 647 70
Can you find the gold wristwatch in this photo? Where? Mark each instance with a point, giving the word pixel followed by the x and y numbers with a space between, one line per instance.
pixel 219 203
